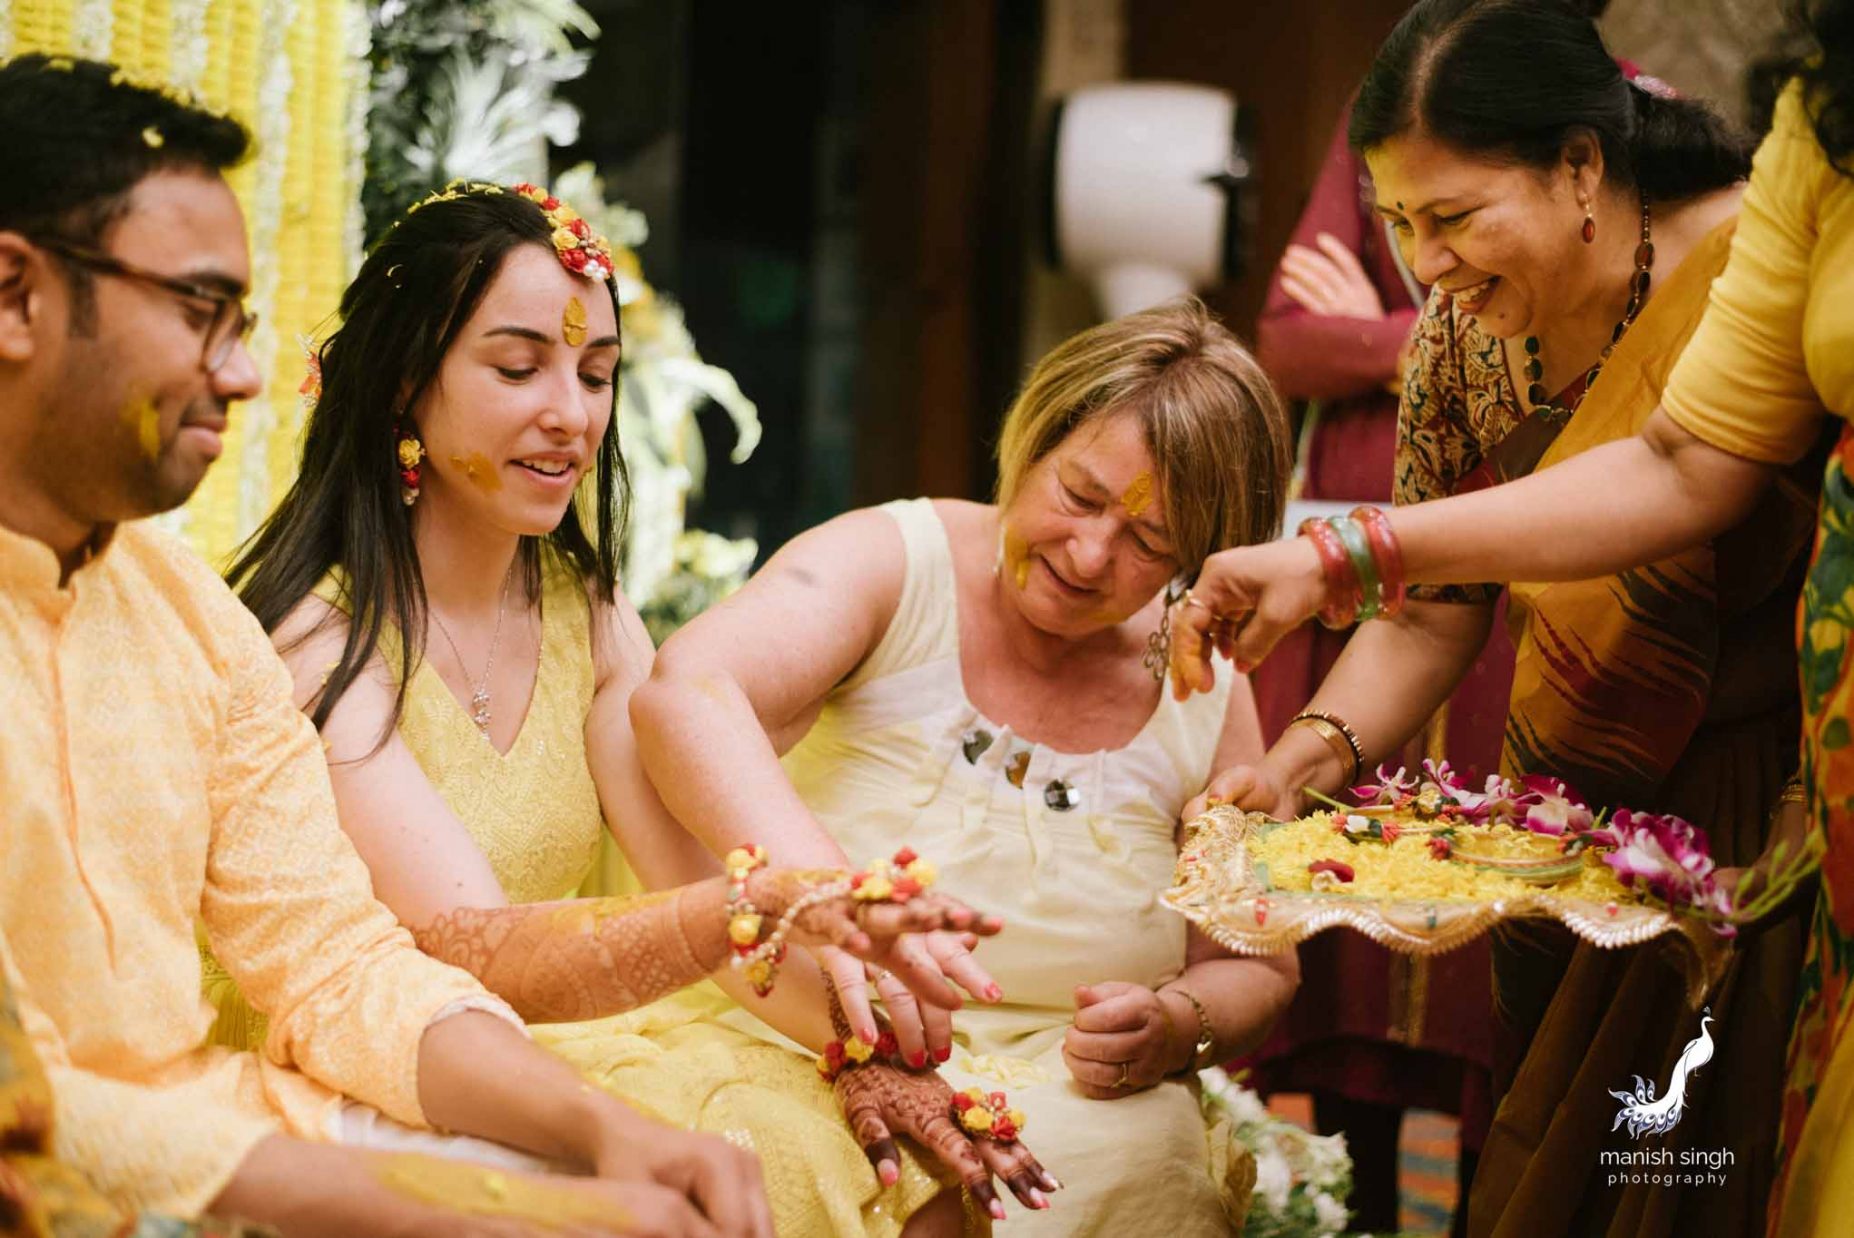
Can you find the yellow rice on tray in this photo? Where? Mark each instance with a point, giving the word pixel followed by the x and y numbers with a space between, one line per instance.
pixel 1405 869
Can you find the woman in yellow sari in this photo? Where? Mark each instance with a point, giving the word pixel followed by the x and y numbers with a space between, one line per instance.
pixel 1572 224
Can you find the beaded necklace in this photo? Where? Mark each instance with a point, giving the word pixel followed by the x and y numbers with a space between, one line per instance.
pixel 1574 394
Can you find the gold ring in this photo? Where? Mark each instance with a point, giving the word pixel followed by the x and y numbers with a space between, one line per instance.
pixel 1200 603
pixel 1126 1076
pixel 877 974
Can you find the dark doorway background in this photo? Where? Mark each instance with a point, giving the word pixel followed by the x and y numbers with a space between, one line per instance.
pixel 842 195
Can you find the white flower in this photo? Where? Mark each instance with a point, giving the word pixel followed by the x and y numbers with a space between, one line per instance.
pixel 1327 1160
pixel 1274 1179
pixel 1329 1214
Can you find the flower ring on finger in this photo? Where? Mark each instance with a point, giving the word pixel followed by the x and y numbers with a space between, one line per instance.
pixel 987 1115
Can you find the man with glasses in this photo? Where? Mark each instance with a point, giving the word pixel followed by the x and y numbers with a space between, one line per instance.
pixel 157 776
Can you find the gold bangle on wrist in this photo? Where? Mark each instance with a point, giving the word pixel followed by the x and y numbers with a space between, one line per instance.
pixel 1340 737
pixel 1205 1040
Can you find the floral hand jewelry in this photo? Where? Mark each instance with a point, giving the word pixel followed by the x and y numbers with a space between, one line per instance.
pixel 853 1051
pixel 989 1115
pixel 895 880
pixel 744 922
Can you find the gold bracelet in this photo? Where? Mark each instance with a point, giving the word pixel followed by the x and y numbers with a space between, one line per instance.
pixel 1341 738
pixel 1793 792
pixel 1205 1040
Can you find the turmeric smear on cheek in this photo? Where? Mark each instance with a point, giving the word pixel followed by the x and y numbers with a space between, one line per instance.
pixel 1016 558
pixel 480 472
pixel 144 420
pixel 475 1191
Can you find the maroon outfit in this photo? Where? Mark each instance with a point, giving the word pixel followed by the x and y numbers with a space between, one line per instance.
pixel 1370 1026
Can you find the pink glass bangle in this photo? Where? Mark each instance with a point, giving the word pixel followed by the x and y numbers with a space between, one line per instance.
pixel 1342 587
pixel 1389 556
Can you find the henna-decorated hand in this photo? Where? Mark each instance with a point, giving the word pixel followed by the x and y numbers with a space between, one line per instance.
pixel 874 932
pixel 881 1100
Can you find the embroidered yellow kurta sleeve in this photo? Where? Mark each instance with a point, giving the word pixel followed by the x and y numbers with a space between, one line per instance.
pixel 288 904
pixel 157 777
pixel 1777 342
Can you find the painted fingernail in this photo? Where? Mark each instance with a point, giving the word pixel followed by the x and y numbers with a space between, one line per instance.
pixel 1038 1199
pixel 1050 1181
pixel 867 1035
pixel 918 1058
pixel 993 993
pixel 943 1053
pixel 889 1173
pixel 996 1210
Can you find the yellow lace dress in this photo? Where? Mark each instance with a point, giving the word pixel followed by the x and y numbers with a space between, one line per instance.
pixel 535 813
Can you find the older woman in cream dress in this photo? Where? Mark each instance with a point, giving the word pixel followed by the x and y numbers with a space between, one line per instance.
pixel 971 680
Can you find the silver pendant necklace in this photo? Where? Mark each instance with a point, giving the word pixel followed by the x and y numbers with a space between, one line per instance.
pixel 479 695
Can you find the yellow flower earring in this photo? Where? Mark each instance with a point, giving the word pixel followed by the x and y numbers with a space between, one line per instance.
pixel 409 452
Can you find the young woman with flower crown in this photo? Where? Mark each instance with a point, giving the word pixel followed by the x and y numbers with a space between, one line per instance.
pixel 453 622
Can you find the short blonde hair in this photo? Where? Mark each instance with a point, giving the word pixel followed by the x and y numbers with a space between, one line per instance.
pixel 1219 435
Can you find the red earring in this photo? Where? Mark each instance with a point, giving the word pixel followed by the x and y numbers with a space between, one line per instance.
pixel 1589 226
pixel 409 452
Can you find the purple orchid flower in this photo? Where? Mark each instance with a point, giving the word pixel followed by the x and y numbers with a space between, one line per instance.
pixel 1553 808
pixel 1664 853
pixel 1388 789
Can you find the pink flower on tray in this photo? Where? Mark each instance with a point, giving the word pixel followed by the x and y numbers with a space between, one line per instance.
pixel 1668 857
pixel 1552 807
pixel 1388 789
pixel 1443 776
pixel 1499 802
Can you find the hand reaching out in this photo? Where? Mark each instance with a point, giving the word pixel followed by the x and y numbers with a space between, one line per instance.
pixel 914 951
pixel 1252 788
pixel 872 931
pixel 1244 600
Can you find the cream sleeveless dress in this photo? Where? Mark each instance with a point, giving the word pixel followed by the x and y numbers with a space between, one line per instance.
pixel 1072 850
pixel 535 813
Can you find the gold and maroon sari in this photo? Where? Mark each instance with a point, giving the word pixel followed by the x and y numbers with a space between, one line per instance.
pixel 1668 688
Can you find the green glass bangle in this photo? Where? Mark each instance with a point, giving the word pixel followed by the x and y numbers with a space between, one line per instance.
pixel 1358 549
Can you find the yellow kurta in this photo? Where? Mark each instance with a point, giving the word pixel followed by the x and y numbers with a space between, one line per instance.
pixel 534 812
pixel 157 776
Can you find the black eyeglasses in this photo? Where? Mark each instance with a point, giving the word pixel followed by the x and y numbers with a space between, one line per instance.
pixel 231 321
